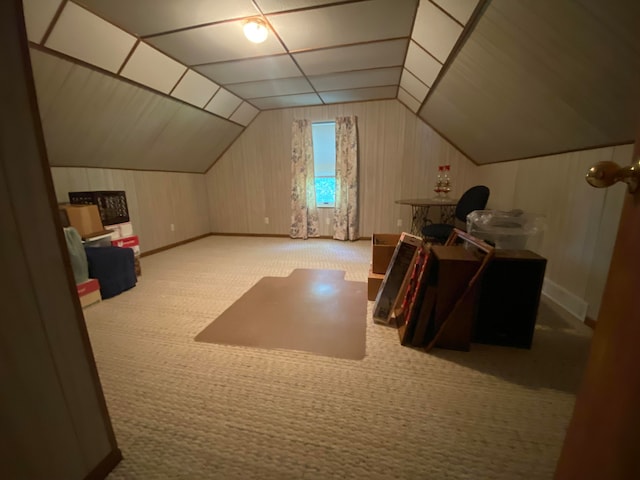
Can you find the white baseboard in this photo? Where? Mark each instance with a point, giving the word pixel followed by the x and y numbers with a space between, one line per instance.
pixel 570 302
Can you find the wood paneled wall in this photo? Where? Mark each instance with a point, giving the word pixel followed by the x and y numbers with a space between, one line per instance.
pixel 53 417
pixel 581 221
pixel 156 200
pixel 399 157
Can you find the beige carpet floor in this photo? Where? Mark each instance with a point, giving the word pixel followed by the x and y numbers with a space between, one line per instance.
pixel 189 410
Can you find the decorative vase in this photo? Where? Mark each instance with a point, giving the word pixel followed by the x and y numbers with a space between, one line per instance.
pixel 443 182
pixel 446 181
pixel 439 181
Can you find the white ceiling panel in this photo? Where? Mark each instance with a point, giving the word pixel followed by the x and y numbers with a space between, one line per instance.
pixel 195 89
pixel 244 114
pixel 359 79
pixel 435 31
pixel 359 94
pixel 356 57
pixel 37 16
pixel 421 64
pixel 266 68
pixel 287 101
pixel 271 88
pixel 152 68
pixel 410 102
pixel 270 6
pixel 461 10
pixel 146 17
pixel 81 34
pixel 223 103
pixel 413 85
pixel 345 24
pixel 214 43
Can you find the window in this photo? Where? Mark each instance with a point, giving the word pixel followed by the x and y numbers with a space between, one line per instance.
pixel 324 162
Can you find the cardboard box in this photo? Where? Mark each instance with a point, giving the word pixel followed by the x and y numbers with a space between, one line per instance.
pixel 85 219
pixel 89 292
pixel 128 242
pixel 120 230
pixel 112 204
pixel 373 284
pixel 383 246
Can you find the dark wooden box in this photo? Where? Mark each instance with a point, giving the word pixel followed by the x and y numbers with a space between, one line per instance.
pixel 509 298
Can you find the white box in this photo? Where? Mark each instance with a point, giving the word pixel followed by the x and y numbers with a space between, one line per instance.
pixel 120 230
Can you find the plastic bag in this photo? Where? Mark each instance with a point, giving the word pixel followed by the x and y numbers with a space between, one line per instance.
pixel 508 230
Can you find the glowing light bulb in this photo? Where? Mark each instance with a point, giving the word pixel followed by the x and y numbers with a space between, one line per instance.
pixel 255 30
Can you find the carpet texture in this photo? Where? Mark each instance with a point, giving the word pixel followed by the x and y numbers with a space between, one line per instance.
pixel 310 310
pixel 188 410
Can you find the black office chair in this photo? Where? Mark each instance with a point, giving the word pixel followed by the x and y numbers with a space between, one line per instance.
pixel 473 199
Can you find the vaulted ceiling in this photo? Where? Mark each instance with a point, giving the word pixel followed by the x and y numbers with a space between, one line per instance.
pixel 169 85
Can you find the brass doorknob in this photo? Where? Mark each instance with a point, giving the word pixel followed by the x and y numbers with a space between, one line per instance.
pixel 605 174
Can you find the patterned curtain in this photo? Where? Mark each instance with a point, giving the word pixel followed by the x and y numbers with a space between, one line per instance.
pixel 346 211
pixel 304 214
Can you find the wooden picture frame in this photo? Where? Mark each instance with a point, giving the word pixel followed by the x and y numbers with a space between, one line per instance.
pixel 396 278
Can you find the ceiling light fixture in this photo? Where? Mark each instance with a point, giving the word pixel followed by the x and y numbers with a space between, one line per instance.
pixel 255 30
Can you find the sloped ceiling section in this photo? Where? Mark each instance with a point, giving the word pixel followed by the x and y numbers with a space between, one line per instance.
pixel 317 52
pixel 91 119
pixel 71 31
pixel 542 76
pixel 308 41
pixel 500 79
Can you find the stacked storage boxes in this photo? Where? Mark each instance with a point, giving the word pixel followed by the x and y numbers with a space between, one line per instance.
pixel 85 219
pixel 112 204
pixel 114 213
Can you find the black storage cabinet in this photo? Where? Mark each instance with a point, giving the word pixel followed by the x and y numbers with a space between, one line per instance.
pixel 509 298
